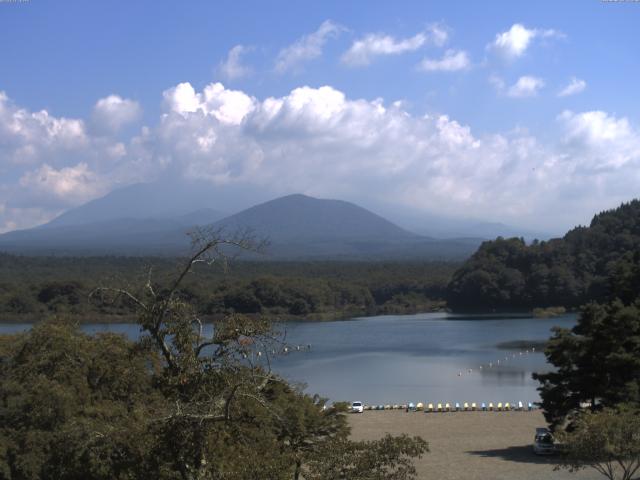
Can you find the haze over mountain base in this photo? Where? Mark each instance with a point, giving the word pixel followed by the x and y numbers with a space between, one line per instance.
pixel 155 218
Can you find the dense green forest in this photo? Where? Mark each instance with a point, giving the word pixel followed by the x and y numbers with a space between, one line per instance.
pixel 31 287
pixel 587 264
pixel 178 403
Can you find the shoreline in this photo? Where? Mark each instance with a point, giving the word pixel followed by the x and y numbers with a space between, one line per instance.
pixel 276 318
pixel 124 319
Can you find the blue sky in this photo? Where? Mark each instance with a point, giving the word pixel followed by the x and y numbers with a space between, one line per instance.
pixel 494 70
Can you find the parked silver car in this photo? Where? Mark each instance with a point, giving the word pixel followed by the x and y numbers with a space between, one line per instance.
pixel 543 443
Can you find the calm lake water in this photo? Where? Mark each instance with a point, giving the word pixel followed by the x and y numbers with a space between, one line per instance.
pixel 408 358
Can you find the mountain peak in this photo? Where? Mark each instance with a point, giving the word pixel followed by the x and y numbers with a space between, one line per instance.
pixel 302 217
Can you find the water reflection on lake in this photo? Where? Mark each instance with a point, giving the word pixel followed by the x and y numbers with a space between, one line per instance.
pixel 397 359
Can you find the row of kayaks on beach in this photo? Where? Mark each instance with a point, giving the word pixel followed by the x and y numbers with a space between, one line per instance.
pixel 449 407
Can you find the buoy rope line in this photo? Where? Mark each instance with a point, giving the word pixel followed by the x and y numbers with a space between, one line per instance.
pixel 500 361
pixel 280 351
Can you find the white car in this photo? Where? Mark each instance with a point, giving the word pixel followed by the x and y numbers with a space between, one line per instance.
pixel 357 407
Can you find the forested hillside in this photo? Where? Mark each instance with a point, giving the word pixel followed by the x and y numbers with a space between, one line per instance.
pixel 591 263
pixel 33 287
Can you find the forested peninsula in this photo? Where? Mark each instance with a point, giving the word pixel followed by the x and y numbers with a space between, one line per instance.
pixel 593 263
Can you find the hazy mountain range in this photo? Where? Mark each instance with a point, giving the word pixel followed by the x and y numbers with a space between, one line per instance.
pixel 144 219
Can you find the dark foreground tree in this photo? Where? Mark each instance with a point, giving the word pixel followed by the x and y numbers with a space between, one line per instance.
pixel 390 458
pixel 75 406
pixel 597 362
pixel 607 441
pixel 187 401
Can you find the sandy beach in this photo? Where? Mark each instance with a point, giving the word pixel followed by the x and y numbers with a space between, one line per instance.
pixel 469 445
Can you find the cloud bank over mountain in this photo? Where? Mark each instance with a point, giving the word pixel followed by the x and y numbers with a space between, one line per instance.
pixel 320 142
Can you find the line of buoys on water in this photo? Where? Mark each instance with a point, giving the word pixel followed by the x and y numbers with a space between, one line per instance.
pixel 447 407
pixel 505 359
pixel 284 351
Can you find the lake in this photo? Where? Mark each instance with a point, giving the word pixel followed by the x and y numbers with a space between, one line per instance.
pixel 408 358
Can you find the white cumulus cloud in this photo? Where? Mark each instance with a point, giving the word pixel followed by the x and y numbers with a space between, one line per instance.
pixel 114 112
pixel 514 42
pixel 604 141
pixel 438 34
pixel 232 67
pixel 228 106
pixel 48 163
pixel 453 60
pixel 526 86
pixel 66 186
pixel 574 87
pixel 321 142
pixel 25 136
pixel 307 47
pixel 596 127
pixel 364 50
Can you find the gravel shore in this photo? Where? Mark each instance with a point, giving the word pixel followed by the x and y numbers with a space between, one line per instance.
pixel 469 445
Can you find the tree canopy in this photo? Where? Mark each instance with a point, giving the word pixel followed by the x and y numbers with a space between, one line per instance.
pixel 33 287
pixel 597 362
pixel 570 271
pixel 607 441
pixel 187 401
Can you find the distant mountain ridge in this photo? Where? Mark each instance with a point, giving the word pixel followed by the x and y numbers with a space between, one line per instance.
pixel 300 217
pixel 171 197
pixel 298 226
pixel 141 201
